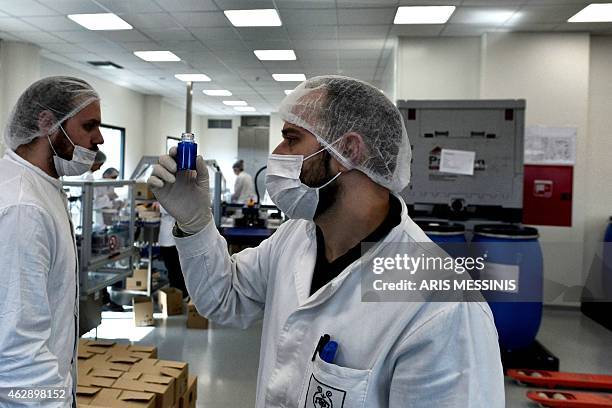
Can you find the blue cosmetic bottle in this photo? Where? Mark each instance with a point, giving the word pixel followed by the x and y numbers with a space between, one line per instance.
pixel 186 152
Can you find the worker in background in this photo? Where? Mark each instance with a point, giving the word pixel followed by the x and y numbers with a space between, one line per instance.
pixel 244 189
pixel 106 194
pixel 344 158
pixel 99 161
pixel 53 131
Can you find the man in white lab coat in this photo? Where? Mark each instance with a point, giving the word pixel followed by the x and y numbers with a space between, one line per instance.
pixel 244 188
pixel 53 131
pixel 344 157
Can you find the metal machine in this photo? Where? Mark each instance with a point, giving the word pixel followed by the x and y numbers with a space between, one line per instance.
pixel 492 130
pixel 105 243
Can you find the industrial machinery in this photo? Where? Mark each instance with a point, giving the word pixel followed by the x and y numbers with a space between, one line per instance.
pixel 467 158
pixel 105 241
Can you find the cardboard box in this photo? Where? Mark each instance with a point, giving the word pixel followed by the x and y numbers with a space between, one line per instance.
pixel 138 281
pixel 161 386
pixel 194 319
pixel 170 301
pixel 97 377
pixel 134 351
pixel 143 311
pixel 88 347
pixel 121 362
pixel 108 397
pixel 188 399
pixel 142 192
pixel 177 370
pixel 95 346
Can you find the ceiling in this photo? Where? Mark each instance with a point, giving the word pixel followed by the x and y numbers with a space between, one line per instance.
pixel 349 37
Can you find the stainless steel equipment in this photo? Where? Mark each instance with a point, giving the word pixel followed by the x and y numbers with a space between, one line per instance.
pixel 103 266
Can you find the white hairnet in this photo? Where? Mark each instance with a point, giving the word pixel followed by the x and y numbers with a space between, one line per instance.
pixel 63 96
pixel 331 106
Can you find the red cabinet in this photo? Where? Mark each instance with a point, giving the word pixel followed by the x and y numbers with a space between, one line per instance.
pixel 547 195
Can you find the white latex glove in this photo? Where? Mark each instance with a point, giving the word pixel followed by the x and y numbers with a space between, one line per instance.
pixel 185 195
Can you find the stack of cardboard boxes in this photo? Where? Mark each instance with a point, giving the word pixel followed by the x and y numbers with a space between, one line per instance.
pixel 119 375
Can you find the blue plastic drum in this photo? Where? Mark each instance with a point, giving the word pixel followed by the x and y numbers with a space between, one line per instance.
pixel 450 237
pixel 516 252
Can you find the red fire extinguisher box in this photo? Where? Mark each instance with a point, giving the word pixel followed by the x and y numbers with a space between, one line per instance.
pixel 547 195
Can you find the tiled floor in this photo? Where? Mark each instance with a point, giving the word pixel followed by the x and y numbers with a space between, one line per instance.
pixel 226 359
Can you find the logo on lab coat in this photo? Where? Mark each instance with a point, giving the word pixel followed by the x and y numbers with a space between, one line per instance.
pixel 321 395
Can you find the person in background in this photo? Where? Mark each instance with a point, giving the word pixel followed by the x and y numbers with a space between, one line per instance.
pixel 168 250
pixel 244 187
pixel 104 196
pixel 53 131
pixel 99 161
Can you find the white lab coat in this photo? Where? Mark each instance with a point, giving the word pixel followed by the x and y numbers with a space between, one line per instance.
pixel 393 354
pixel 244 188
pixel 39 285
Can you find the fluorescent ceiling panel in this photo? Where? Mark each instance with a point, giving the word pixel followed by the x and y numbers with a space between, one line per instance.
pixel 217 92
pixel 289 77
pixel 593 13
pixel 156 56
pixel 253 18
pixel 100 21
pixel 245 109
pixel 192 77
pixel 235 103
pixel 275 55
pixel 423 14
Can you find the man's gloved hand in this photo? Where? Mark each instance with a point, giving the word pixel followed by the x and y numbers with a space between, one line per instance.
pixel 185 195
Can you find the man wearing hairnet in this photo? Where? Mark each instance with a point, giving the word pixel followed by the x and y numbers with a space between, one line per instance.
pixel 344 157
pixel 53 131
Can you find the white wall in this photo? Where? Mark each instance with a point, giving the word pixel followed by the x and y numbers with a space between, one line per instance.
pixel 19 67
pixel 598 177
pixel 221 145
pixel 276 126
pixel 438 68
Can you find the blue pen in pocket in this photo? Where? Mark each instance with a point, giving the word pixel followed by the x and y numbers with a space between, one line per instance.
pixel 328 352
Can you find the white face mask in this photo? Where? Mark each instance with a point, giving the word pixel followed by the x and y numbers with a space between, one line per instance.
pixel 81 162
pixel 288 193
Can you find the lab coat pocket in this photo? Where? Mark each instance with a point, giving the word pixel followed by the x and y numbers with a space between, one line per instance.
pixel 332 386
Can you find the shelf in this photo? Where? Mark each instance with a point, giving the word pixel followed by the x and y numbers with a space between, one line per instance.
pixel 99 280
pixel 99 261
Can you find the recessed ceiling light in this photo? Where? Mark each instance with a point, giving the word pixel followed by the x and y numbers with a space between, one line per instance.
pixel 100 21
pixel 253 18
pixel 217 92
pixel 156 56
pixel 289 77
pixel 288 91
pixel 235 103
pixel 593 13
pixel 245 109
pixel 275 55
pixel 192 77
pixel 423 14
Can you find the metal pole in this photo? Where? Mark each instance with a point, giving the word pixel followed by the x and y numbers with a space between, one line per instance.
pixel 189 96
